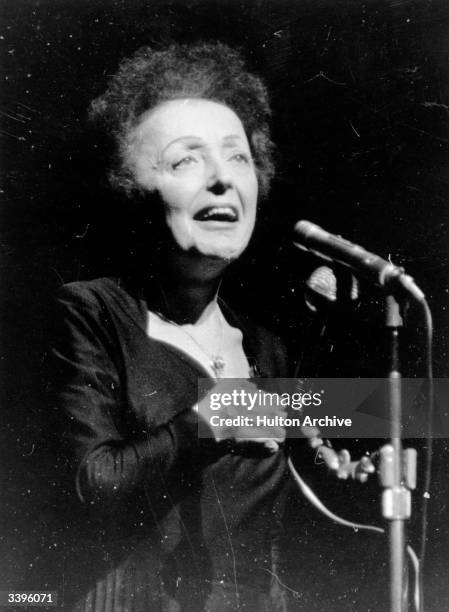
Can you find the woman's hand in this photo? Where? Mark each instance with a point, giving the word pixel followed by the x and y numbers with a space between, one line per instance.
pixel 242 413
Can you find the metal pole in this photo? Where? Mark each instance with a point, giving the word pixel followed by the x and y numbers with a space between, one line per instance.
pixel 396 529
pixel 396 497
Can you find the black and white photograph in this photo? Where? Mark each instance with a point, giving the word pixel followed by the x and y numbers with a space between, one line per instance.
pixel 217 215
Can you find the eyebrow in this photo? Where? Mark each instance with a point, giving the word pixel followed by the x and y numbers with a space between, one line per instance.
pixel 232 137
pixel 229 139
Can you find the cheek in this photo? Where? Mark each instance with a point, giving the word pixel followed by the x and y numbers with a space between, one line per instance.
pixel 177 195
pixel 251 192
pixel 251 224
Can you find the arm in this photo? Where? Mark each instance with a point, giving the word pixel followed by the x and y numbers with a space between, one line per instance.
pixel 89 398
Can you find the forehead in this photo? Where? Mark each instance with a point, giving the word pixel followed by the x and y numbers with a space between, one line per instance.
pixel 178 119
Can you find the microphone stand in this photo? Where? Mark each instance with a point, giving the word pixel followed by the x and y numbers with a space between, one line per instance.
pixel 397 469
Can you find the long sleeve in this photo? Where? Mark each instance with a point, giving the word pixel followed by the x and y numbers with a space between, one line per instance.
pixel 111 462
pixel 148 498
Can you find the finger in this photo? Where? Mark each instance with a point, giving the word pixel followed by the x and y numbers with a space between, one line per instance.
pixel 366 465
pixel 272 446
pixel 329 457
pixel 277 433
pixel 310 432
pixel 344 456
pixel 261 435
pixel 268 443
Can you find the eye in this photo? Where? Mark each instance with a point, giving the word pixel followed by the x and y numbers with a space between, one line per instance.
pixel 240 158
pixel 188 160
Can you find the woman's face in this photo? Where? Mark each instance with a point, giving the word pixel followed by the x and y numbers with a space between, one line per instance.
pixel 196 155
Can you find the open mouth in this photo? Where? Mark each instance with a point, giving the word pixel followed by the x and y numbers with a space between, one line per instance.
pixel 226 214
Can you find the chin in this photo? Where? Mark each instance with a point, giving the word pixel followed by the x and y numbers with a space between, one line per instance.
pixel 224 251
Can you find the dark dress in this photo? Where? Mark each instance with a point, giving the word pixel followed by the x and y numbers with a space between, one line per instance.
pixel 156 518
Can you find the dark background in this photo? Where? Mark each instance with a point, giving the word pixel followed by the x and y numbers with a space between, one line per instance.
pixel 360 94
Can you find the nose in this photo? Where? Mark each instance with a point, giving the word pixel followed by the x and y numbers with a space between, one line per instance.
pixel 219 178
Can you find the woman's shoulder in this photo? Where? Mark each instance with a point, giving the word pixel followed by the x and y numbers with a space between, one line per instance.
pixel 91 290
pixel 104 294
pixel 97 290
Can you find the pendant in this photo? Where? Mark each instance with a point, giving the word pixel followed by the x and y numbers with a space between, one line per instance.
pixel 218 365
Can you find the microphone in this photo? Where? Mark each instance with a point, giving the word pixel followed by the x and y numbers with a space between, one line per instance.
pixel 311 237
pixel 322 289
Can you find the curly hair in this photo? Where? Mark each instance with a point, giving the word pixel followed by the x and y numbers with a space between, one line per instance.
pixel 211 71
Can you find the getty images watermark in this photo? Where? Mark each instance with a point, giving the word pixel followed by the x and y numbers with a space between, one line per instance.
pixel 340 408
pixel 263 403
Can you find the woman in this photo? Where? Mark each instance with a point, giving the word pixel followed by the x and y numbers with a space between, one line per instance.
pixel 170 520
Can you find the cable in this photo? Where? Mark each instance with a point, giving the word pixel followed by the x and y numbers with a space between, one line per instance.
pixel 307 491
pixel 429 440
pixel 315 501
pixel 417 599
pixel 419 569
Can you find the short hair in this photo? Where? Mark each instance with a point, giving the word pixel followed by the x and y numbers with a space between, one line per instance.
pixel 211 71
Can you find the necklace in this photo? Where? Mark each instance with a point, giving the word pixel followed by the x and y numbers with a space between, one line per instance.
pixel 216 360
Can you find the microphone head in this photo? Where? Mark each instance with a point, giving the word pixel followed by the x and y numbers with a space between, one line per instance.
pixel 324 282
pixel 322 288
pixel 303 229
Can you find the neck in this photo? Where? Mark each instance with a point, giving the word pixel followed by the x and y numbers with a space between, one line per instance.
pixel 187 301
pixel 183 300
pixel 186 288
